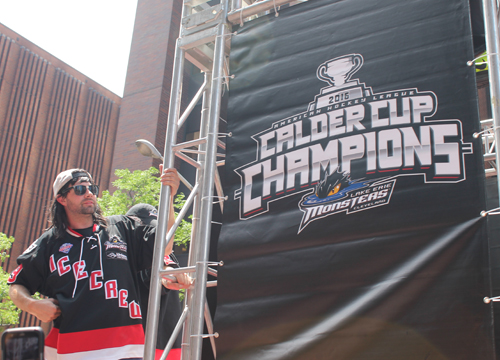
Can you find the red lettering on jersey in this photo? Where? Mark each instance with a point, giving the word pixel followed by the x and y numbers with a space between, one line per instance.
pixel 13 275
pixel 52 264
pixel 79 270
pixel 94 284
pixel 110 289
pixel 134 310
pixel 61 267
pixel 122 299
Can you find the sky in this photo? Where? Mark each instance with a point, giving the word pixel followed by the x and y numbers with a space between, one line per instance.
pixel 92 36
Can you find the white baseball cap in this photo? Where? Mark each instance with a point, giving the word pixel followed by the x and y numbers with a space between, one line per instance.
pixel 63 178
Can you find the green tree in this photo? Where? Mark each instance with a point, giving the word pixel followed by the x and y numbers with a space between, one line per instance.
pixel 141 186
pixel 9 313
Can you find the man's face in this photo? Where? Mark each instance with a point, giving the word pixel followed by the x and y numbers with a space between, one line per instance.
pixel 79 204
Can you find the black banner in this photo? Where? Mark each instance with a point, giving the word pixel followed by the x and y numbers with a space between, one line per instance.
pixel 353 228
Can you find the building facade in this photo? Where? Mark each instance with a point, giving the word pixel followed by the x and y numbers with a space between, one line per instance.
pixel 52 118
pixel 147 87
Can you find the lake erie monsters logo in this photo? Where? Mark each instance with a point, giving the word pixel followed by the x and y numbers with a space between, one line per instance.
pixel 347 150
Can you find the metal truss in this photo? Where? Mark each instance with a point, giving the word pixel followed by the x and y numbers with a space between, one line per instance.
pixel 204 40
pixel 487 134
pixel 492 128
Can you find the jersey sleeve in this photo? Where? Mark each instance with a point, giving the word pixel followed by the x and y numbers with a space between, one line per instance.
pixel 171 260
pixel 145 275
pixel 144 238
pixel 140 239
pixel 31 271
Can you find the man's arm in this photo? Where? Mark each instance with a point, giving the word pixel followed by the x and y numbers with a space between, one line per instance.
pixel 169 177
pixel 45 310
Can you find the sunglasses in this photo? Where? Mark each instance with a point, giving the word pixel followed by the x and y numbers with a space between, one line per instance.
pixel 82 189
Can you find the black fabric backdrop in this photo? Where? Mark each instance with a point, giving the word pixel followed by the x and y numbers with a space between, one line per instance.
pixel 400 279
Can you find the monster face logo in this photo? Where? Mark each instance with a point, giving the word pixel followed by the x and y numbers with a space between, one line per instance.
pixel 332 184
pixel 346 151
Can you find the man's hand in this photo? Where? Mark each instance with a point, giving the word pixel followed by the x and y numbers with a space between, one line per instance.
pixel 169 177
pixel 183 281
pixel 46 309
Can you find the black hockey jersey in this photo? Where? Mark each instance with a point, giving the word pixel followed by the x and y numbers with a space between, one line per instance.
pixel 94 278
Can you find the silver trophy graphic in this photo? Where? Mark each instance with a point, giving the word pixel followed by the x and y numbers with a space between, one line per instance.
pixel 337 72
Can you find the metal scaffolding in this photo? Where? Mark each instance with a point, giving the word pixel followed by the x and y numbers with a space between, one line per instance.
pixel 204 41
pixel 490 13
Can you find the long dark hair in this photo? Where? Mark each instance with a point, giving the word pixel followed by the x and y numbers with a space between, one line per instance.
pixel 57 214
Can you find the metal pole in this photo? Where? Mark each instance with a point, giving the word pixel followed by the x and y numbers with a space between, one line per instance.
pixel 492 48
pixel 198 305
pixel 236 4
pixel 195 236
pixel 175 333
pixel 164 208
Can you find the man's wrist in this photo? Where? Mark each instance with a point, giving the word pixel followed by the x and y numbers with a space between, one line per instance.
pixel 31 305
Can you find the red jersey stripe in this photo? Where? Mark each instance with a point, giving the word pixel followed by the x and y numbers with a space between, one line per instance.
pixel 174 354
pixel 99 339
pixel 51 339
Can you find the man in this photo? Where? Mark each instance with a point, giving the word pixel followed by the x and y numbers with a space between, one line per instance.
pixel 87 267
